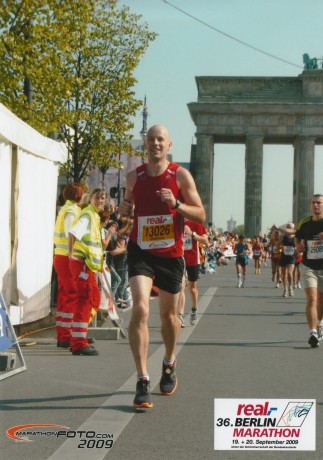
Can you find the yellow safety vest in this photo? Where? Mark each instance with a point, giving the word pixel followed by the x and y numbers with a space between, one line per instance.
pixel 60 239
pixel 90 247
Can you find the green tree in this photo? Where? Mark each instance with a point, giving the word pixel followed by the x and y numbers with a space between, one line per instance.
pixel 67 69
pixel 239 230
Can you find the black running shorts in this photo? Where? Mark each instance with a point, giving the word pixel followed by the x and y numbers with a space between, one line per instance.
pixel 167 273
pixel 193 273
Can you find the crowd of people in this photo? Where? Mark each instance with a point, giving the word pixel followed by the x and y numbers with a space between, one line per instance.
pixel 156 240
pixel 278 248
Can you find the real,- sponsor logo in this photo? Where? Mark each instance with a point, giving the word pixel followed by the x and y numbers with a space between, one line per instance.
pixel 156 220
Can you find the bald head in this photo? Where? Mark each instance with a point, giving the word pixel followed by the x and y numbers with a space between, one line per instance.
pixel 157 143
pixel 160 130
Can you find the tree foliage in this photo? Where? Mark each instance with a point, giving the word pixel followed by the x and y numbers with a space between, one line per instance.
pixel 239 230
pixel 67 69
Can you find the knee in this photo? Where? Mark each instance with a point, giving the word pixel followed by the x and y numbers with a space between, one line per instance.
pixel 168 317
pixel 140 313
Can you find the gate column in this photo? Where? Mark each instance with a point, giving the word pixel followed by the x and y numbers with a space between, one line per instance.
pixel 253 187
pixel 303 183
pixel 204 171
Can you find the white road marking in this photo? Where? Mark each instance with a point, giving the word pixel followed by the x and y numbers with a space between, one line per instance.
pixel 116 412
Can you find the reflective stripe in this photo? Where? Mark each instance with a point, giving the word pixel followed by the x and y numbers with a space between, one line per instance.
pixel 60 246
pixel 78 253
pixel 62 314
pixel 79 334
pixel 90 243
pixel 59 235
pixel 62 324
pixel 80 325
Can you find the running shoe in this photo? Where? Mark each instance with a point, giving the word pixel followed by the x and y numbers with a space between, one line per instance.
pixel 285 293
pixel 314 340
pixel 194 318
pixel 168 381
pixel 277 285
pixel 320 333
pixel 142 397
pixel 291 292
pixel 299 285
pixel 182 321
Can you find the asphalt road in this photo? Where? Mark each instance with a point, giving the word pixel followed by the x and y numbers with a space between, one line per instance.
pixel 248 344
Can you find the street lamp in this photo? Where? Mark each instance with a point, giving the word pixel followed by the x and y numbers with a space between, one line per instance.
pixel 143 132
pixel 103 170
pixel 119 183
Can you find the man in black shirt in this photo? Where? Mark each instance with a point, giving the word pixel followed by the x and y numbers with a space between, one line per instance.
pixel 309 235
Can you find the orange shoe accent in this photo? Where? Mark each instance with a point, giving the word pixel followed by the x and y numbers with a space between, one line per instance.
pixel 172 392
pixel 144 405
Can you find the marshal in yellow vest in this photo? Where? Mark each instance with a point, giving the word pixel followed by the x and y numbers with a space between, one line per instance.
pixel 90 247
pixel 60 239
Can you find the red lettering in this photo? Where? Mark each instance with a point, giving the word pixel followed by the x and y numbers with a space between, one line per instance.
pixel 155 220
pixel 240 407
pixel 250 409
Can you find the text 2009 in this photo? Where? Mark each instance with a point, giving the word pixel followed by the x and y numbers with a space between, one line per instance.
pixel 95 444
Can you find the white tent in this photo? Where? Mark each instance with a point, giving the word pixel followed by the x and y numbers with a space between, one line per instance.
pixel 28 186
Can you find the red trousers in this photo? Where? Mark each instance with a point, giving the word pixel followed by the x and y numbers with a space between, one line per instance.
pixel 66 298
pixel 88 297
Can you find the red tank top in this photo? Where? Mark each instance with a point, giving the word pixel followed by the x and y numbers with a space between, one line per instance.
pixel 157 228
pixel 191 246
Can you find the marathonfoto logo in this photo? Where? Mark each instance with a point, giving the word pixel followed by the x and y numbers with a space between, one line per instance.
pixel 295 413
pixel 85 439
pixel 22 432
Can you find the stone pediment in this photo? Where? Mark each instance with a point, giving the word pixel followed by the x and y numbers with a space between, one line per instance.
pixel 255 111
pixel 278 108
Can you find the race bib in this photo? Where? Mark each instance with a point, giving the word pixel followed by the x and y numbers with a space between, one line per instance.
pixel 188 243
pixel 288 250
pixel 155 232
pixel 256 253
pixel 315 249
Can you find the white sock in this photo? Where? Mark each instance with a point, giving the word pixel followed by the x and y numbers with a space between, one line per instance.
pixel 142 377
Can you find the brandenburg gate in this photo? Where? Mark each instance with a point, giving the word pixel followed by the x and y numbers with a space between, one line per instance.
pixel 255 111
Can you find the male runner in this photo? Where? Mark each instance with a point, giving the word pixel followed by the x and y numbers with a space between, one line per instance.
pixel 309 235
pixel 160 194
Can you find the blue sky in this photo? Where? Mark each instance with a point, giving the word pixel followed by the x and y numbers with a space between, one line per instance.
pixel 186 48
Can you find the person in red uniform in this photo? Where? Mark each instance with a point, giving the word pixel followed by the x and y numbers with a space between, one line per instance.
pixel 86 259
pixel 66 295
pixel 160 194
pixel 194 234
